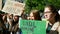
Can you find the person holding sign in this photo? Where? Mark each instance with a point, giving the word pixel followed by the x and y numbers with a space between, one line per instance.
pixel 52 16
pixel 33 25
pixel 34 15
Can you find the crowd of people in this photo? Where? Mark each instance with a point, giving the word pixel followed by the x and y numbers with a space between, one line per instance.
pixel 9 23
pixel 51 15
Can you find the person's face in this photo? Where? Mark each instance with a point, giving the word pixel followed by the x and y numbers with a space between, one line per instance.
pixel 15 18
pixel 48 14
pixel 31 16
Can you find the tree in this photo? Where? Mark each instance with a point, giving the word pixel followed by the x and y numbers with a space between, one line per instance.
pixel 39 4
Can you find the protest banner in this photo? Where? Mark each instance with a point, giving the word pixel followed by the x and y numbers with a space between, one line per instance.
pixel 0 4
pixel 33 27
pixel 13 7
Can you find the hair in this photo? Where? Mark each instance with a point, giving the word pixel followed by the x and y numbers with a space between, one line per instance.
pixel 53 10
pixel 5 18
pixel 1 22
pixel 36 14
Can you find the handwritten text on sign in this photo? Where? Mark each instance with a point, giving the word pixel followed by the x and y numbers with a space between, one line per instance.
pixel 13 7
pixel 33 27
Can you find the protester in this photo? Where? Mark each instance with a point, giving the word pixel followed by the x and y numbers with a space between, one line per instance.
pixel 10 19
pixel 5 20
pixel 2 26
pixel 52 17
pixel 14 29
pixel 6 24
pixel 34 15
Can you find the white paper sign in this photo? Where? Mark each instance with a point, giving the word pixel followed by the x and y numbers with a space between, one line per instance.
pixel 13 7
pixel 0 4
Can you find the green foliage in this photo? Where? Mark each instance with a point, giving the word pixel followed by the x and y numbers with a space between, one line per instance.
pixel 39 4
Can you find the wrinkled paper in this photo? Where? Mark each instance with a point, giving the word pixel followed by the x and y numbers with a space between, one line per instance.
pixel 13 7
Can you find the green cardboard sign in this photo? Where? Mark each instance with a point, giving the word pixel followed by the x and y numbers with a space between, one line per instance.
pixel 33 27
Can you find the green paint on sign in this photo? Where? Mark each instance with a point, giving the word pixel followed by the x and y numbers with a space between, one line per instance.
pixel 33 27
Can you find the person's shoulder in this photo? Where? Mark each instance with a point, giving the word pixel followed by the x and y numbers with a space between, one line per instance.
pixel 58 29
pixel 57 23
pixel 55 26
